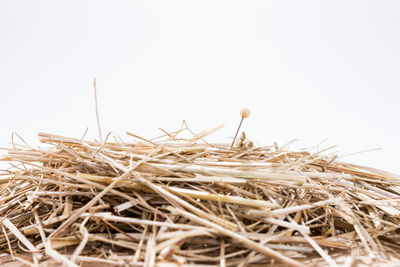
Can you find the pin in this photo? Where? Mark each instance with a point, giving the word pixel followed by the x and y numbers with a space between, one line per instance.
pixel 244 113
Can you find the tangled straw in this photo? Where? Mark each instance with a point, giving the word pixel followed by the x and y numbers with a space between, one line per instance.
pixel 181 201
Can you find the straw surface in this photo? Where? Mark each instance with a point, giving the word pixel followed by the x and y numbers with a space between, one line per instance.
pixel 178 200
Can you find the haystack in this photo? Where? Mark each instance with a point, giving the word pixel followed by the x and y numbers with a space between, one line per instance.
pixel 178 200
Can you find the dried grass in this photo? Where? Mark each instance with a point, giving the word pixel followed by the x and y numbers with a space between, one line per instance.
pixel 181 201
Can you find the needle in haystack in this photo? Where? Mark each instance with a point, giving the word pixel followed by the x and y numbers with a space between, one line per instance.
pixel 244 113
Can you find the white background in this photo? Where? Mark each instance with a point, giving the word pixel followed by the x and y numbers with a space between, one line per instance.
pixel 306 69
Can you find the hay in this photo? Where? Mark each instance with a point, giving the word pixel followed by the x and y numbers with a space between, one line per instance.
pixel 181 201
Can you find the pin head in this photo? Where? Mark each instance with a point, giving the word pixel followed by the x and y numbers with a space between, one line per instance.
pixel 245 113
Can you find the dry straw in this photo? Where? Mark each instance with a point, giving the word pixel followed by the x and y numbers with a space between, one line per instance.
pixel 181 201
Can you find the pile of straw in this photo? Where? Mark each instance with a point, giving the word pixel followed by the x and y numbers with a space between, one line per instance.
pixel 174 201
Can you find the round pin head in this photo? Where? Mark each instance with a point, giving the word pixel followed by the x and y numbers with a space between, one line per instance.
pixel 245 113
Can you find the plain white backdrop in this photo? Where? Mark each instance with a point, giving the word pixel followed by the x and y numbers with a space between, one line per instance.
pixel 306 69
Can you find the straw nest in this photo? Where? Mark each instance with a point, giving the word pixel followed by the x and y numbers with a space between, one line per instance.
pixel 181 201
